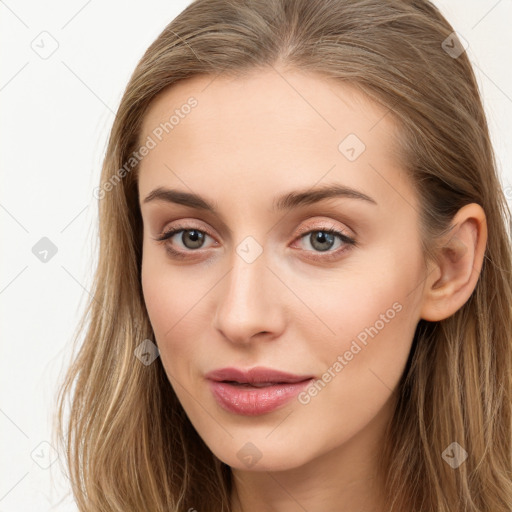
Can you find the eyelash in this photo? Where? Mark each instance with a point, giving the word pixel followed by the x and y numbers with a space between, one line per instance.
pixel 327 255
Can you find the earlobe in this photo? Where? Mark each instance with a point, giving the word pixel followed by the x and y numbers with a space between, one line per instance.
pixel 453 279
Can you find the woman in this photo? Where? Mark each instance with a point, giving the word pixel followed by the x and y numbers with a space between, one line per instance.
pixel 303 296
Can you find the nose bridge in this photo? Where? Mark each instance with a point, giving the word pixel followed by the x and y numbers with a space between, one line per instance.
pixel 248 302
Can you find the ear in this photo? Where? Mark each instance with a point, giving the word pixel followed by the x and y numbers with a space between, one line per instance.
pixel 451 281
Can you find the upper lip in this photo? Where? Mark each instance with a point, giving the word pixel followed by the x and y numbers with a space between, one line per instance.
pixel 255 375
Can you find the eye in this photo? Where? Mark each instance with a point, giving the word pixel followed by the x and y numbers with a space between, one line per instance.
pixel 191 239
pixel 323 240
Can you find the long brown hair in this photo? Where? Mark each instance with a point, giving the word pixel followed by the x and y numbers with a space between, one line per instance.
pixel 128 441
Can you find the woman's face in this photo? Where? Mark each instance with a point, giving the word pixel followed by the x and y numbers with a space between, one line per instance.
pixel 256 281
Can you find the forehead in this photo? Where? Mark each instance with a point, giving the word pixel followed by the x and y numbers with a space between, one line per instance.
pixel 288 100
pixel 269 129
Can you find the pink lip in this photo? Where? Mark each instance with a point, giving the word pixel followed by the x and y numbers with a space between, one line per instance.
pixel 249 399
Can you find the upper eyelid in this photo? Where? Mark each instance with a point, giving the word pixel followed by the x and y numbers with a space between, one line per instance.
pixel 176 229
pixel 190 224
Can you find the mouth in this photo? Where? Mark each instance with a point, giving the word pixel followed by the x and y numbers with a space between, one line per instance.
pixel 256 391
pixel 256 377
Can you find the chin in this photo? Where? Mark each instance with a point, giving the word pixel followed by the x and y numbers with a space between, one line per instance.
pixel 261 456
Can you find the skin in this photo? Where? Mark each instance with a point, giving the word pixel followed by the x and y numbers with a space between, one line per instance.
pixel 249 140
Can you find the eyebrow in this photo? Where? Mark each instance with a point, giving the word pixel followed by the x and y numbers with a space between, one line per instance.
pixel 291 200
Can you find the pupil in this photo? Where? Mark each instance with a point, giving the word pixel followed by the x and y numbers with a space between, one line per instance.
pixel 194 236
pixel 321 237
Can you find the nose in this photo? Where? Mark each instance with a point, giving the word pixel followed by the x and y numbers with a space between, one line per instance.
pixel 249 302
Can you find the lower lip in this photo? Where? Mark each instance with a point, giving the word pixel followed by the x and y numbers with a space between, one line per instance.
pixel 252 401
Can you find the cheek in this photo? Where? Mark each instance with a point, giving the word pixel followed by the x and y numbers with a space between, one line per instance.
pixel 350 305
pixel 371 318
pixel 164 288
pixel 158 295
pixel 173 301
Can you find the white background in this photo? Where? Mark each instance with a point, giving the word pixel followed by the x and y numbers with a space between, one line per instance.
pixel 56 116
